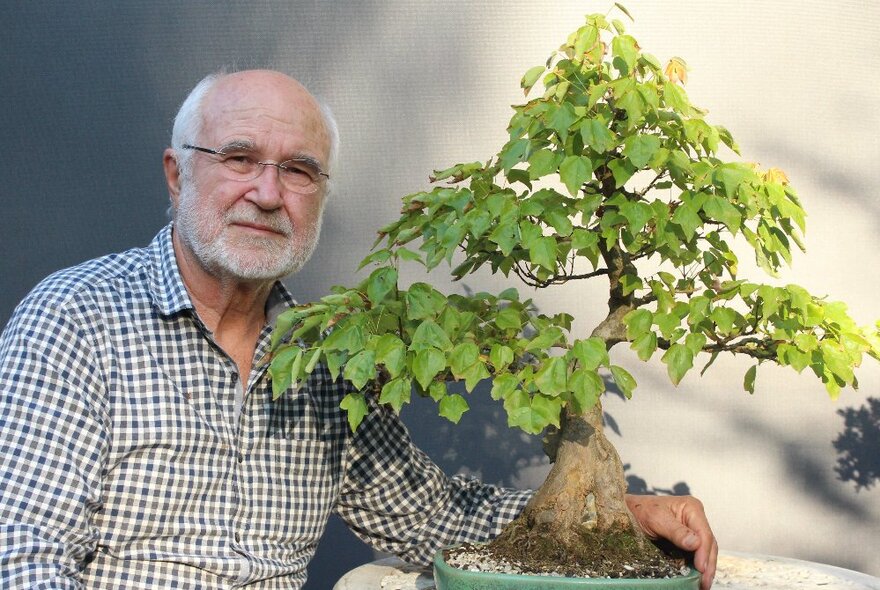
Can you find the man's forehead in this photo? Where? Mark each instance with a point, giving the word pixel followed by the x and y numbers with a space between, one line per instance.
pixel 249 106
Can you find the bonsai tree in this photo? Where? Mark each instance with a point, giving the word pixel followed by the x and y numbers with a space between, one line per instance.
pixel 609 174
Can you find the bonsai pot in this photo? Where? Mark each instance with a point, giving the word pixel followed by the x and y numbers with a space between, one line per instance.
pixel 447 577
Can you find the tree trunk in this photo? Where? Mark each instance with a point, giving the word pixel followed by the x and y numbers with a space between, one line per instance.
pixel 579 514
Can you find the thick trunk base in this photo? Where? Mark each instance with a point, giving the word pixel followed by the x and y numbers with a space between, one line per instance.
pixel 578 523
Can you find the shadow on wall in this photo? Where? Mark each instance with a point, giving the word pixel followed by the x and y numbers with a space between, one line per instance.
pixel 858 445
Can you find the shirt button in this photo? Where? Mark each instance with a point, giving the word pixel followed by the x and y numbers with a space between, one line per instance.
pixel 237 538
pixel 240 458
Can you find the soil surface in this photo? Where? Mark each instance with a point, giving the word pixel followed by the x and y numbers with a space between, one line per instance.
pixel 602 565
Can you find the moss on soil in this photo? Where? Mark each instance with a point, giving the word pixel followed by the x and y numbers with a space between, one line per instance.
pixel 591 554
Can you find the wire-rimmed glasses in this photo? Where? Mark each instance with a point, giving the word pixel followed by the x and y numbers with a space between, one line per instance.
pixel 299 175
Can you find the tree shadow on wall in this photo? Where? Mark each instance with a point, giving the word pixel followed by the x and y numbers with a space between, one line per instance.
pixel 858 445
pixel 482 444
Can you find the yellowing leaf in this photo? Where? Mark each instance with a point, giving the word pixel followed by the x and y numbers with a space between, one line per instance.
pixel 776 175
pixel 676 71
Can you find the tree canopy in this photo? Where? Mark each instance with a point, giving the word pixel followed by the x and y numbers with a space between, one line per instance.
pixel 610 173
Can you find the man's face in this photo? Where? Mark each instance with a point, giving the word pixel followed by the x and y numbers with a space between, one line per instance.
pixel 255 230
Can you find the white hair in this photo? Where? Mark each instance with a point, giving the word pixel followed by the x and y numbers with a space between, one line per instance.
pixel 188 126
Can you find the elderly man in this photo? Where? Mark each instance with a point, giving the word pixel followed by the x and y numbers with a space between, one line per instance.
pixel 140 444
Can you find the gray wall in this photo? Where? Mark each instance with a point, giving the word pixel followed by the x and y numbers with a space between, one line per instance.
pixel 89 90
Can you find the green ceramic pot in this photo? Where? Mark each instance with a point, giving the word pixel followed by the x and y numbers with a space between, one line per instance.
pixel 447 577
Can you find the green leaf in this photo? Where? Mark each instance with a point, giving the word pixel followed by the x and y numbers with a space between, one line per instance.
pixel 634 104
pixel 596 134
pixel 463 356
pixel 380 283
pixel 698 309
pixel 630 283
pixel 731 176
pixel 474 374
pixel 379 256
pixel 749 379
pixel 574 172
pixel 639 149
pixel 509 318
pixel 312 362
pixel 675 97
pixel 361 368
pixel 284 323
pixel 722 210
pixel 410 256
pixel 638 322
pixel 391 352
pixel 545 339
pixel 500 356
pixel 345 336
pixel 559 221
pixel 513 153
pixel 427 364
pixel 623 9
pixel 452 407
pixel 503 385
pixel 396 393
pixel 430 335
pixel 667 322
pixel 355 406
pixel 437 390
pixel 679 360
pixel 551 377
pixel 624 380
pixel 695 342
pixel 724 318
pixel 591 353
pixel 687 219
pixel 586 386
pixel 562 120
pixel 531 77
pixel 645 345
pixel 836 360
pixel 335 361
pixel 506 235
pixel 423 301
pixel 622 171
pixel 637 214
pixel 626 48
pixel 587 37
pixel 540 412
pixel 542 252
pixel 542 163
pixel 281 369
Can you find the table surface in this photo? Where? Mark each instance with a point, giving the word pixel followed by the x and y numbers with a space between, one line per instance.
pixel 736 571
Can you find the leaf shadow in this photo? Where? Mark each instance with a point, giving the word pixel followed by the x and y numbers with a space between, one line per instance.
pixel 858 446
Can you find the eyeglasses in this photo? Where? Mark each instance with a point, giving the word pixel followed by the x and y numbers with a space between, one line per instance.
pixel 298 175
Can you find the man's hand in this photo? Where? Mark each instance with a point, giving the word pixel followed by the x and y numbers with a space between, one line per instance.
pixel 681 520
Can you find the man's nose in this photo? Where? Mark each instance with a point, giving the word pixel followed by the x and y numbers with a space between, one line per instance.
pixel 268 191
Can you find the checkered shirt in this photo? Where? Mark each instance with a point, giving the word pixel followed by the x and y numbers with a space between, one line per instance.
pixel 122 464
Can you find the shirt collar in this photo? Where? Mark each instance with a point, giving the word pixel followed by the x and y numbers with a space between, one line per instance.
pixel 169 293
pixel 166 284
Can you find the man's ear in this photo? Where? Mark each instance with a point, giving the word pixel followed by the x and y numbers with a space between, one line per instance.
pixel 172 175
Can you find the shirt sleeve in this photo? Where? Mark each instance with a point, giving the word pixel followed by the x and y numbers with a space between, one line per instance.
pixel 52 440
pixel 397 500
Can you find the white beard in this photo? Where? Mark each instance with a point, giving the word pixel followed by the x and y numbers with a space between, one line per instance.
pixel 245 258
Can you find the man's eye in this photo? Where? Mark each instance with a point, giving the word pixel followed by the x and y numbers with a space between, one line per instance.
pixel 239 163
pixel 299 171
pixel 238 158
